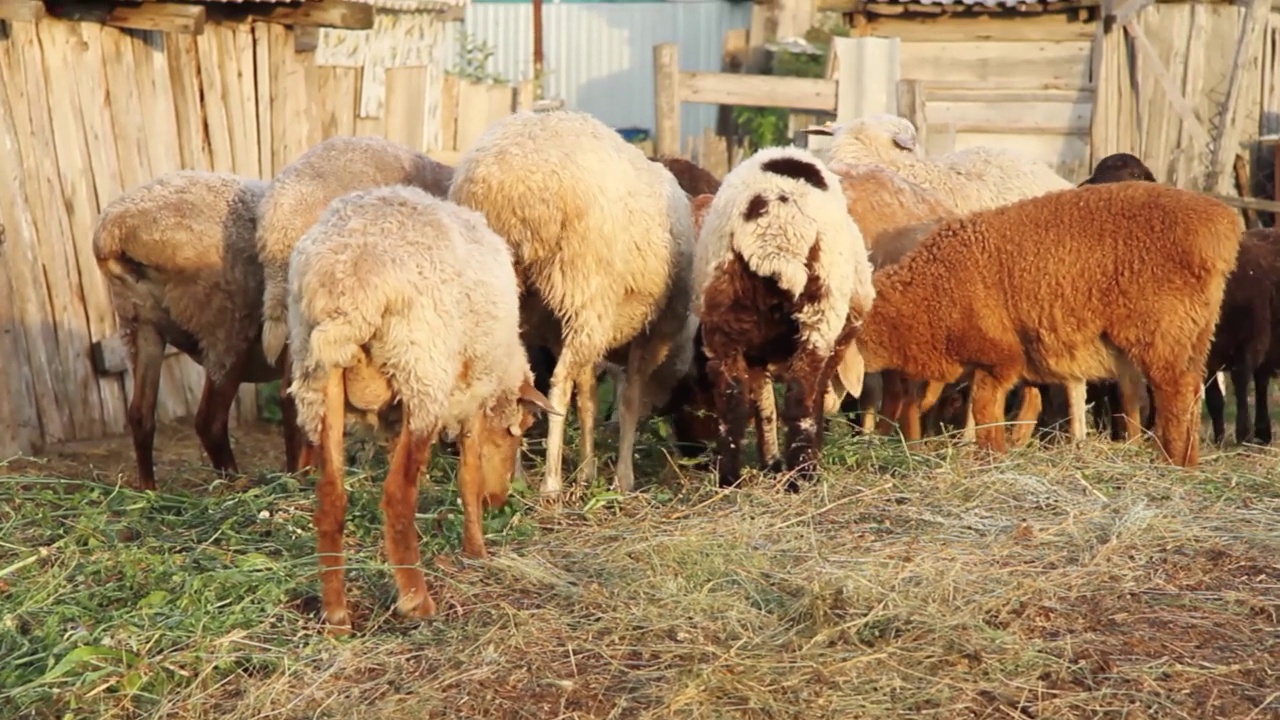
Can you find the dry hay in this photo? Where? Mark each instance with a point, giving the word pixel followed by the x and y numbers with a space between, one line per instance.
pixel 1058 583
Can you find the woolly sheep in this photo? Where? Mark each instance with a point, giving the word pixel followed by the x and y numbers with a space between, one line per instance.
pixel 972 179
pixel 404 308
pixel 302 190
pixel 974 298
pixel 1246 341
pixel 781 278
pixel 182 268
pixel 602 239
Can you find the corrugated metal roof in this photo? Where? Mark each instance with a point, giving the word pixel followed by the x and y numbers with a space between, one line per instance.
pixel 414 5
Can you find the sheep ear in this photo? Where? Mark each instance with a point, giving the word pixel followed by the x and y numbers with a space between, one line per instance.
pixel 905 140
pixel 820 130
pixel 851 371
pixel 529 395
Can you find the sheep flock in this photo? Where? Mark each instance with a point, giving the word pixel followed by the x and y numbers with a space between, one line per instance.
pixel 466 304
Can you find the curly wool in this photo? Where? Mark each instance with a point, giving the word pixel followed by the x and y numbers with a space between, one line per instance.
pixel 775 222
pixel 973 179
pixel 179 254
pixel 411 293
pixel 302 190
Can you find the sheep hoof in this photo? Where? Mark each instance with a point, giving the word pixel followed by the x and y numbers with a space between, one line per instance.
pixel 775 466
pixel 417 604
pixel 337 623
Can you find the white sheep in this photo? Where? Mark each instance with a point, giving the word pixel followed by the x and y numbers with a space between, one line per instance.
pixel 301 191
pixel 976 178
pixel 182 268
pixel 602 239
pixel 403 304
pixel 781 281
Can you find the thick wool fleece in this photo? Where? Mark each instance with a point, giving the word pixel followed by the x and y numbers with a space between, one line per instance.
pixel 973 179
pixel 179 254
pixel 776 210
pixel 301 191
pixel 419 290
pixel 1009 289
pixel 883 202
pixel 693 178
pixel 604 234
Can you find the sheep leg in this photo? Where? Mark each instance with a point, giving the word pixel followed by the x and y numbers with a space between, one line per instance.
pixel 1177 394
pixel 893 391
pixel 331 508
pixel 148 357
pixel 1076 404
pixel 1128 399
pixel 298 453
pixel 472 490
pixel 986 406
pixel 214 415
pixel 807 374
pixel 1261 414
pixel 586 392
pixel 1215 404
pixel 766 416
pixel 399 531
pixel 909 412
pixel 1028 413
pixel 1240 375
pixel 729 378
pixel 561 391
pixel 644 356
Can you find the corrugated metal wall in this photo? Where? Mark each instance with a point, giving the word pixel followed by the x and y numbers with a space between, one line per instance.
pixel 599 56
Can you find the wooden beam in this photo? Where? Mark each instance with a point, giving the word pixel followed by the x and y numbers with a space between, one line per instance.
pixel 21 10
pixel 1271 206
pixel 1130 10
pixel 1180 104
pixel 911 101
pixel 983 95
pixel 306 39
pixel 794 93
pixel 323 13
pixel 162 16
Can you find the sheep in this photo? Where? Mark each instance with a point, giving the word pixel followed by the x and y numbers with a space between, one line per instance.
pixel 403 309
pixel 976 178
pixel 781 278
pixel 302 190
pixel 1246 341
pixel 602 238
pixel 1118 167
pixel 182 268
pixel 1003 293
pixel 694 179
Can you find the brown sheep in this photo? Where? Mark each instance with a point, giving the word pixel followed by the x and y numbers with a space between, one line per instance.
pixel 694 179
pixel 1002 292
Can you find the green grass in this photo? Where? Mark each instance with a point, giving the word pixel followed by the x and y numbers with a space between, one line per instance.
pixel 1056 582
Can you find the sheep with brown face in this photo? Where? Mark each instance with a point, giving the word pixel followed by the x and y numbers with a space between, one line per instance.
pixel 404 309
pixel 781 280
pixel 182 268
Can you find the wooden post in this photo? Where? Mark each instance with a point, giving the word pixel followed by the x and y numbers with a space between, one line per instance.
pixel 666 90
pixel 1226 137
pixel 911 107
pixel 867 70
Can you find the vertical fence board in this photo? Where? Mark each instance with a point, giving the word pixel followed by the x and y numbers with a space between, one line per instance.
pixel 405 109
pixel 83 411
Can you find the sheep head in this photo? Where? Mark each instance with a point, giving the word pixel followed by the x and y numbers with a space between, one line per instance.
pixel 1119 167
pixel 498 432
pixel 881 137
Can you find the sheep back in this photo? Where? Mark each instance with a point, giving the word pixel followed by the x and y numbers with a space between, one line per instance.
pixel 415 288
pixel 300 192
pixel 694 179
pixel 179 254
pixel 782 213
pixel 1053 275
pixel 1249 324
pixel 882 202
pixel 603 234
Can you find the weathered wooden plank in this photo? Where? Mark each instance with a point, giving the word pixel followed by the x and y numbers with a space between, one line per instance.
pixel 27 332
pixel 405 108
pixel 758 90
pixel 64 47
pixel 947 28
pixel 320 13
pixel 1025 64
pixel 83 410
pixel 337 87
pixel 215 108
pixel 1026 117
pixel 21 10
pixel 263 76
pixel 184 82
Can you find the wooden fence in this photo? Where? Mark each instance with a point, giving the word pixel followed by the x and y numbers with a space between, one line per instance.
pixel 88 111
